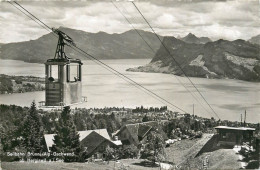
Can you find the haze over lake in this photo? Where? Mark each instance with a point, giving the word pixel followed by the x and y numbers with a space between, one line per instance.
pixel 229 98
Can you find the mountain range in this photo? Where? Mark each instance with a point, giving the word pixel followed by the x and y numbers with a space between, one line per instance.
pixel 197 56
pixel 237 59
pixel 191 38
pixel 255 40
pixel 127 45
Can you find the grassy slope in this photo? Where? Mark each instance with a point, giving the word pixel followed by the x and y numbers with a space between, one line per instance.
pixel 224 159
pixel 130 164
pixel 182 153
pixel 181 150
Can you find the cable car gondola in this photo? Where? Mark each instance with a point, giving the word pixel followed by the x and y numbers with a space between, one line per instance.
pixel 63 76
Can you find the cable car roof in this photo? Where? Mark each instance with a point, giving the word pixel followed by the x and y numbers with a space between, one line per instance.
pixel 63 61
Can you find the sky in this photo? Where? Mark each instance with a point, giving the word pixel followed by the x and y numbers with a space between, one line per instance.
pixel 219 19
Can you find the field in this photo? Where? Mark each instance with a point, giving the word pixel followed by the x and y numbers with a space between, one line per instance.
pixel 129 164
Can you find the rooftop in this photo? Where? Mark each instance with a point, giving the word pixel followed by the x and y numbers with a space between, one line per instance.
pixel 138 130
pixel 93 140
pixel 82 134
pixel 234 128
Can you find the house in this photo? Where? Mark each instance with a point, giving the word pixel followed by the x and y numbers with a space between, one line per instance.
pixel 94 142
pixel 95 145
pixel 136 134
pixel 231 136
pixel 257 147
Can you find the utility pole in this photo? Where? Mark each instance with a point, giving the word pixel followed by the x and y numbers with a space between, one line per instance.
pixel 245 119
pixel 241 120
pixel 193 110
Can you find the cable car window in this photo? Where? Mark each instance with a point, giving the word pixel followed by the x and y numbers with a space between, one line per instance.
pixel 73 73
pixel 53 74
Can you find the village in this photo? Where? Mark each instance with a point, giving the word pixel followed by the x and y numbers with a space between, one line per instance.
pixel 148 136
pixel 20 84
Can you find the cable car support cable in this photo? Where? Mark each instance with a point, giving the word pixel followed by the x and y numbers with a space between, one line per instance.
pixel 176 61
pixel 155 54
pixel 121 75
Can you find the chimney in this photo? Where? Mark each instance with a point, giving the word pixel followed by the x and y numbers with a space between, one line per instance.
pixel 116 138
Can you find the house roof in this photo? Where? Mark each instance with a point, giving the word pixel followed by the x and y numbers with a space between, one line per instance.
pixel 156 126
pixel 117 142
pixel 92 141
pixel 235 128
pixel 82 134
pixel 133 130
pixel 141 129
pixel 49 140
pixel 102 132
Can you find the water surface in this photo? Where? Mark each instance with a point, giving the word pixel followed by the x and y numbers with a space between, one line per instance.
pixel 229 98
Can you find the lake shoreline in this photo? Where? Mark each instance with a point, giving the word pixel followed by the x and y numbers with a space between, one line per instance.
pixel 156 68
pixel 20 84
pixel 229 98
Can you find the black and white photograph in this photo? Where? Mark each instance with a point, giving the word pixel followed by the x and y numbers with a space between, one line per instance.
pixel 129 84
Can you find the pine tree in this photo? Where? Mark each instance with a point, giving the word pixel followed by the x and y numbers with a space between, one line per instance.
pixel 145 118
pixel 32 131
pixel 67 139
pixel 1 146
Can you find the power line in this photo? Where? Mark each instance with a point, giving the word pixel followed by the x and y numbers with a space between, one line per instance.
pixel 176 61
pixel 32 15
pixel 132 82
pixel 100 62
pixel 155 54
pixel 147 92
pixel 26 15
pixel 133 27
pixel 128 78
pixel 137 19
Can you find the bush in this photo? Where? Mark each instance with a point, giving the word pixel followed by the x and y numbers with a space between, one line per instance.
pixel 130 151
pixel 198 134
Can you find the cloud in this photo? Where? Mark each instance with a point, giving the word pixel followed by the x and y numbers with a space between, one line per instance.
pixel 216 19
pixel 167 21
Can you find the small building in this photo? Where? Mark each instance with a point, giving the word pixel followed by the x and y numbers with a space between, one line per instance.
pixel 94 142
pixel 231 136
pixel 257 146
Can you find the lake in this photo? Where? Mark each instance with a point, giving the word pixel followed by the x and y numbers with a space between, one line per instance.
pixel 229 98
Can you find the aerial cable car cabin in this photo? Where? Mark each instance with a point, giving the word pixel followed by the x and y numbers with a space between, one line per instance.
pixel 63 76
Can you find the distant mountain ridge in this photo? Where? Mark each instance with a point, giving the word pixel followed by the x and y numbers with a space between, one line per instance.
pixel 255 40
pixel 127 45
pixel 191 38
pixel 198 57
pixel 237 59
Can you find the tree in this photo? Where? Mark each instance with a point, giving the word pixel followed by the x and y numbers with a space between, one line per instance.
pixel 196 126
pixel 32 131
pixel 67 139
pixel 145 118
pixel 79 121
pixel 110 153
pixel 154 148
pixel 130 151
pixel 1 146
